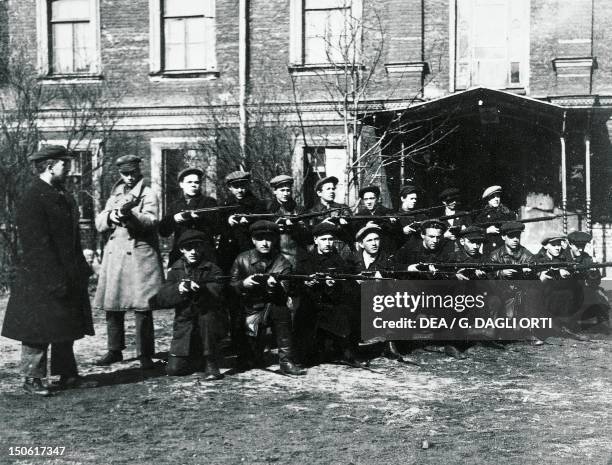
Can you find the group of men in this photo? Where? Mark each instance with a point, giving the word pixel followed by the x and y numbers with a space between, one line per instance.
pixel 241 267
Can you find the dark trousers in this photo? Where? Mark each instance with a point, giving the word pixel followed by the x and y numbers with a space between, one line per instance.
pixel 279 318
pixel 188 351
pixel 34 359
pixel 115 327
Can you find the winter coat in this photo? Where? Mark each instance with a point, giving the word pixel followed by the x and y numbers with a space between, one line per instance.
pixel 294 239
pixel 207 223
pixel 49 300
pixel 131 270
pixel 236 239
pixel 188 308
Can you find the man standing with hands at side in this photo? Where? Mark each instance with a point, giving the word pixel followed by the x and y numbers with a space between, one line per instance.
pixel 49 303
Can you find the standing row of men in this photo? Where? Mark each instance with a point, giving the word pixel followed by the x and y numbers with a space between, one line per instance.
pixel 236 242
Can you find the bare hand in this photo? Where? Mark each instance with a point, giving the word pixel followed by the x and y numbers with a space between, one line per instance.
pixel 408 230
pixel 492 230
pixel 271 282
pixel 250 282
pixel 179 218
pixel 233 220
pixel 564 273
pixel 508 273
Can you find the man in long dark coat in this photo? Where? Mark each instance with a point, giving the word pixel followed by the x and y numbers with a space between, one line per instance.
pixel 494 214
pixel 49 303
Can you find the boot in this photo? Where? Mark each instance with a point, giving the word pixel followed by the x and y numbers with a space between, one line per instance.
pixel 283 337
pixel 146 362
pixel 212 372
pixel 35 386
pixel 391 352
pixel 290 368
pixel 112 356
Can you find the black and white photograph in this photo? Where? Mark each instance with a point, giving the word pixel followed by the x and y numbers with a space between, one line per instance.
pixel 306 232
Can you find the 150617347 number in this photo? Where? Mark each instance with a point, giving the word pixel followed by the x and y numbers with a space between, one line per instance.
pixel 36 450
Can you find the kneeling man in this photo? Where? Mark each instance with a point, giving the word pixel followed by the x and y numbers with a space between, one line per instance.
pixel 194 290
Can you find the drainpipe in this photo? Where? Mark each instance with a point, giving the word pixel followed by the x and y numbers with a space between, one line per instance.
pixel 563 177
pixel 243 71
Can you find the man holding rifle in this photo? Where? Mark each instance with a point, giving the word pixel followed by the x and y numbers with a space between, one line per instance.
pixel 181 215
pixel 294 235
pixel 329 311
pixel 194 289
pixel 263 298
pixel 236 238
pixel 491 217
pixel 131 270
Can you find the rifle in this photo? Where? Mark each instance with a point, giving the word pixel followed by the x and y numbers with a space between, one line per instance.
pixel 533 266
pixel 197 211
pixel 292 217
pixel 321 276
pixel 417 224
pixel 525 220
pixel 397 216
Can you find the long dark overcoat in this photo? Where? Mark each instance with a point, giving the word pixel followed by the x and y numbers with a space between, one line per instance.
pixel 49 300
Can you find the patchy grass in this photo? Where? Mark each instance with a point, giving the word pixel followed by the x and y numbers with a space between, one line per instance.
pixel 524 405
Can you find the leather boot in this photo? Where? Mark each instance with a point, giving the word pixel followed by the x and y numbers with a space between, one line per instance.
pixel 285 361
pixel 391 351
pixel 146 362
pixel 212 372
pixel 112 356
pixel 35 386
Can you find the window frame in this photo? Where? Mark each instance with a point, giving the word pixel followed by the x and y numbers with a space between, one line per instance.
pixel 523 85
pixel 44 40
pixel 297 39
pixel 157 45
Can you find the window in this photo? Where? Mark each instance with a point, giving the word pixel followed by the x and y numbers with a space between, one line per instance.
pixel 68 32
pixel 325 32
pixel 492 43
pixel 80 183
pixel 182 36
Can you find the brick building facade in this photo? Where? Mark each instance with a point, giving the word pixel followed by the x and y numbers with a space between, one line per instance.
pixel 184 68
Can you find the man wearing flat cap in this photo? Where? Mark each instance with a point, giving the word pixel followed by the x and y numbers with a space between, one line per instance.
pixel 429 250
pixel 595 306
pixel 561 294
pixel 193 289
pixel 517 303
pixel 329 308
pixel 371 206
pixel 235 237
pixel 263 298
pixel 325 189
pixel 49 304
pixel 492 216
pixel 131 271
pixel 470 245
pixel 451 199
pixel 294 235
pixel 180 215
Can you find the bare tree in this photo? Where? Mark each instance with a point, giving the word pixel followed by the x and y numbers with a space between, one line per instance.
pixel 353 60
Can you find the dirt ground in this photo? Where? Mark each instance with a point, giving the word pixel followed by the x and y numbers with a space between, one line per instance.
pixel 525 405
